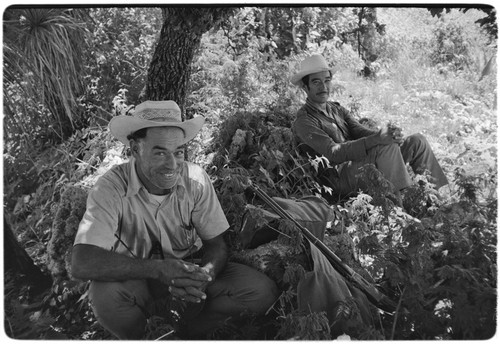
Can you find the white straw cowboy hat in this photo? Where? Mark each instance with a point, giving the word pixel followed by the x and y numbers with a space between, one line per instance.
pixel 310 65
pixel 165 113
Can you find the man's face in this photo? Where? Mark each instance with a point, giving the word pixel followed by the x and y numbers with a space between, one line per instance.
pixel 319 86
pixel 158 158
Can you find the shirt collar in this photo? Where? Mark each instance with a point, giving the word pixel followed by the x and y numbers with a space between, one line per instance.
pixel 135 184
pixel 312 106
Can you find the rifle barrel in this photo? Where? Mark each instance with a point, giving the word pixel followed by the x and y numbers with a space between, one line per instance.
pixel 373 294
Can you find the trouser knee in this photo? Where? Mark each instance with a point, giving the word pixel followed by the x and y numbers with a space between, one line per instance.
pixel 417 151
pixel 241 288
pixel 120 307
pixel 414 146
pixel 417 140
pixel 266 293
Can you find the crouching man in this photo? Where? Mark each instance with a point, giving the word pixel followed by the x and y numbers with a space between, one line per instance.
pixel 146 219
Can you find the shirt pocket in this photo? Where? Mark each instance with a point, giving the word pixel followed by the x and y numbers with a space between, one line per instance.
pixel 184 238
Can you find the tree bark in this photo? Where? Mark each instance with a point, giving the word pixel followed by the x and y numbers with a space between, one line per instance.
pixel 180 37
pixel 17 261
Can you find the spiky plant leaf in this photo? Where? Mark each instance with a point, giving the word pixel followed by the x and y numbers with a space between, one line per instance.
pixel 43 57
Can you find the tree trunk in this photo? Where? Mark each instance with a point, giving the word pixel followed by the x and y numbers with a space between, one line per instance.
pixel 180 37
pixel 17 261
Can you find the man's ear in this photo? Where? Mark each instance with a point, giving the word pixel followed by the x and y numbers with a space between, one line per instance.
pixel 134 147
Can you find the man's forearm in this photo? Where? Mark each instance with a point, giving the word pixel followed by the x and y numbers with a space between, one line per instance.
pixel 94 263
pixel 215 255
pixel 372 141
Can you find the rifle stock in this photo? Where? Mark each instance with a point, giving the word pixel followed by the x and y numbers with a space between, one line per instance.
pixel 372 293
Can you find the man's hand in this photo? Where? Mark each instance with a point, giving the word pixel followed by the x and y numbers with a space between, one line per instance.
pixel 390 133
pixel 192 293
pixel 396 132
pixel 186 281
pixel 385 136
pixel 192 280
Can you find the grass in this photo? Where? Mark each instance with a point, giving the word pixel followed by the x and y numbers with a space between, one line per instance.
pixel 455 112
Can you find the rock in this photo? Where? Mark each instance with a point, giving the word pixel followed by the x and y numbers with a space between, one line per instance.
pixel 238 143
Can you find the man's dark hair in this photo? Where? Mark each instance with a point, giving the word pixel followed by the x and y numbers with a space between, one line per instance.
pixel 305 79
pixel 139 134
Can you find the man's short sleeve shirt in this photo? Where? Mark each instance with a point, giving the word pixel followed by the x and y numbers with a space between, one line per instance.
pixel 122 216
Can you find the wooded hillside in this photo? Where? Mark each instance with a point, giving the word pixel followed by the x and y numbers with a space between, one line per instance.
pixel 431 71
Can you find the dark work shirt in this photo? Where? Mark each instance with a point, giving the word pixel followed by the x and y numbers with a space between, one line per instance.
pixel 335 134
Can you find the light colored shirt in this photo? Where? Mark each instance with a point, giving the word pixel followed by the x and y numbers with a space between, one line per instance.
pixel 123 217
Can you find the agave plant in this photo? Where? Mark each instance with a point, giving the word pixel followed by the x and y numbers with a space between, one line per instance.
pixel 42 67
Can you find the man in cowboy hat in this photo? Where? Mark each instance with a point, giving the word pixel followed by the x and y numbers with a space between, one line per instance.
pixel 146 222
pixel 326 128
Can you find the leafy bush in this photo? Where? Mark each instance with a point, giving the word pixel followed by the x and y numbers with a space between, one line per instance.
pixel 451 48
pixel 440 266
pixel 118 56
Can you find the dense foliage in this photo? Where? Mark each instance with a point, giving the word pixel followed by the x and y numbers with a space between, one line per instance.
pixel 436 257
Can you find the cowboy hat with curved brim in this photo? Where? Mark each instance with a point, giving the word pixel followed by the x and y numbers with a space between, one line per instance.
pixel 310 65
pixel 165 113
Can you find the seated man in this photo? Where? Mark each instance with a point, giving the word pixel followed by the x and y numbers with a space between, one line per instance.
pixel 329 130
pixel 159 204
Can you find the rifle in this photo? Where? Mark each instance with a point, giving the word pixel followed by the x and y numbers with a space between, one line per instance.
pixel 372 293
